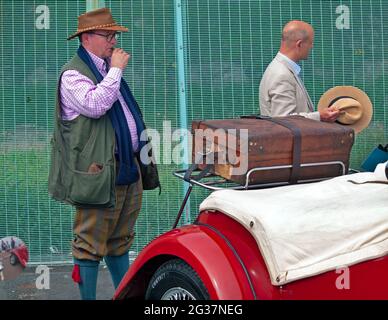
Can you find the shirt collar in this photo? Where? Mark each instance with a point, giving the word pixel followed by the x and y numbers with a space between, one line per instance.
pixel 296 67
pixel 100 63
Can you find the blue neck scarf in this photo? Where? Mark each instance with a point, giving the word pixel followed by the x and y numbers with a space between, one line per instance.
pixel 128 172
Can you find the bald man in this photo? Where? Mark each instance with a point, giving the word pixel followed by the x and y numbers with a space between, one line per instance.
pixel 282 91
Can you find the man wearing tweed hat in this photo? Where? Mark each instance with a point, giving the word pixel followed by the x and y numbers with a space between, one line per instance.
pixel 95 163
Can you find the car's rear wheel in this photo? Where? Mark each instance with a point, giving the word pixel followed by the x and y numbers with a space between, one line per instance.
pixel 176 280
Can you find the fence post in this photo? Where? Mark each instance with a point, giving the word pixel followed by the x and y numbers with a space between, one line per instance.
pixel 182 92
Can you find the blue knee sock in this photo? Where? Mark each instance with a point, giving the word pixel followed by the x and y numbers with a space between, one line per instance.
pixel 88 274
pixel 118 266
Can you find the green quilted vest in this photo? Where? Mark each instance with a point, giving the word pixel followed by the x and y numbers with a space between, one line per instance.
pixel 77 147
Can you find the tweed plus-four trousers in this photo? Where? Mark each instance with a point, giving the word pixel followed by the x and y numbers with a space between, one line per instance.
pixel 108 232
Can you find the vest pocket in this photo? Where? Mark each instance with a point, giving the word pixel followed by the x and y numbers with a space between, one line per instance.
pixel 91 188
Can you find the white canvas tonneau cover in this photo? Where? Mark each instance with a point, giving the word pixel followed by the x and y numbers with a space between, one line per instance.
pixel 304 230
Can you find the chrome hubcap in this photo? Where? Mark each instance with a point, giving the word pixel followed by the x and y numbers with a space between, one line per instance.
pixel 177 293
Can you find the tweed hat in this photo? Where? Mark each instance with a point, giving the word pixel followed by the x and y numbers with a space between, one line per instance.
pixel 100 19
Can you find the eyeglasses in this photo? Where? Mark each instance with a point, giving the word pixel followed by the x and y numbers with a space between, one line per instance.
pixel 108 37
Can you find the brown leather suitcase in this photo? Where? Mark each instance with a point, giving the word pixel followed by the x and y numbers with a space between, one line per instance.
pixel 310 150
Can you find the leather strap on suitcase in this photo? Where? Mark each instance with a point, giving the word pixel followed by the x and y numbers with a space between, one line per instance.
pixel 193 167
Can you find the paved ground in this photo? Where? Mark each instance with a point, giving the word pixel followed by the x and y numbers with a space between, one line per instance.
pixel 61 286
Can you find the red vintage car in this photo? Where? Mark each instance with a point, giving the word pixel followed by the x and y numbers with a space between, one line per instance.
pixel 19 255
pixel 321 240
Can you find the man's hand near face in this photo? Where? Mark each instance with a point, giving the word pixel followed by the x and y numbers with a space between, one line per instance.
pixel 119 58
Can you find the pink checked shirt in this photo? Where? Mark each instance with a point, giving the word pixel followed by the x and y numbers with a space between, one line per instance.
pixel 79 95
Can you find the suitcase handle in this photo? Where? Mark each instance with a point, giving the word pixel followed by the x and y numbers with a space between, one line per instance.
pixel 297 135
pixel 255 116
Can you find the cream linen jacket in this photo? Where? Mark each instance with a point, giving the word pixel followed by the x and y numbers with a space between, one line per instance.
pixel 283 93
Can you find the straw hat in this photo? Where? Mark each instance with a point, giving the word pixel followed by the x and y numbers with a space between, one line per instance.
pixel 100 19
pixel 354 104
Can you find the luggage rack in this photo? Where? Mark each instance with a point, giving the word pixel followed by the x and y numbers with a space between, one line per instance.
pixel 215 182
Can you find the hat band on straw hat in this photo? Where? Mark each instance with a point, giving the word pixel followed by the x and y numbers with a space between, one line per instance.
pixel 338 98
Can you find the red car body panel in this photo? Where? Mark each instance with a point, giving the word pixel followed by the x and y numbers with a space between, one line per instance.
pixel 206 252
pixel 22 254
pixel 229 262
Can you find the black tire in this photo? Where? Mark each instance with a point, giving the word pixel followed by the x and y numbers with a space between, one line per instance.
pixel 13 259
pixel 176 280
